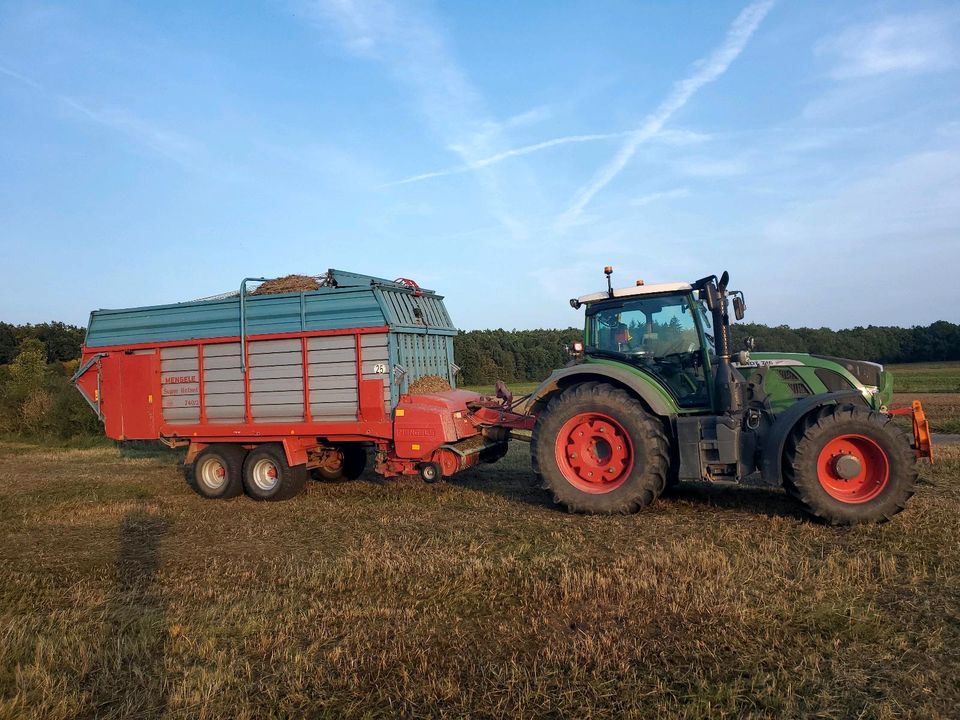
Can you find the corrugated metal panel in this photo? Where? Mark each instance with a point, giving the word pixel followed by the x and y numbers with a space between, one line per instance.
pixel 223 383
pixel 324 309
pixel 333 377
pixel 180 384
pixel 422 354
pixel 376 363
pixel 362 301
pixel 403 308
pixel 274 399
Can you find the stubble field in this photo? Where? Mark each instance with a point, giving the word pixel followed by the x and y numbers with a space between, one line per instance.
pixel 123 594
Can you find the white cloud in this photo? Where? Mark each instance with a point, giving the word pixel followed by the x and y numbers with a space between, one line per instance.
pixel 894 44
pixel 882 249
pixel 414 47
pixel 707 71
pixel 712 168
pixel 916 199
pixel 172 145
pixel 673 194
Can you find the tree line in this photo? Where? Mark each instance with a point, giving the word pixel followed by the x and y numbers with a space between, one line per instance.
pixel 36 362
pixel 528 355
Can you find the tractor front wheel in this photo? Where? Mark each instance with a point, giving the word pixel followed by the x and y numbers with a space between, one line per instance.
pixel 598 450
pixel 850 465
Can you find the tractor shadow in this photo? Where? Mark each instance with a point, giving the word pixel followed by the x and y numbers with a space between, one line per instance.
pixel 518 485
pixel 127 674
pixel 752 499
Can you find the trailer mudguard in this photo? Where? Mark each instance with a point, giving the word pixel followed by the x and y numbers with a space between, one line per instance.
pixel 584 372
pixel 775 439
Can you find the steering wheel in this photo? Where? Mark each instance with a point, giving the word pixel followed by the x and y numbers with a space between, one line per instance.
pixel 678 357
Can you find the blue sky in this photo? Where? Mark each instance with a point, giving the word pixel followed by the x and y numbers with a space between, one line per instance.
pixel 500 153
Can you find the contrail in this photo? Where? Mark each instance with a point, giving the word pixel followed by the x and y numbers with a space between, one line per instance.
pixel 499 157
pixel 709 69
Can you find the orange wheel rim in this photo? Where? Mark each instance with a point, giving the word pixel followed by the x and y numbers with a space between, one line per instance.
pixel 853 469
pixel 594 453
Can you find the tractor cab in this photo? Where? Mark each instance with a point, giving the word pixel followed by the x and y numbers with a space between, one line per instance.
pixel 665 333
pixel 677 334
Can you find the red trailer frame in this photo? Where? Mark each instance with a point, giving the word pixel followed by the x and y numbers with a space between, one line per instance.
pixel 449 430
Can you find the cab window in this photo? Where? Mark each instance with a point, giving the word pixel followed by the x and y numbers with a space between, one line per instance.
pixel 659 335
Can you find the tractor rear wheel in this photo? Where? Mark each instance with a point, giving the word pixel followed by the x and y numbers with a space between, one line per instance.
pixel 598 450
pixel 849 465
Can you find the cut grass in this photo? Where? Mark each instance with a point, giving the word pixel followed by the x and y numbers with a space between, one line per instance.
pixel 124 594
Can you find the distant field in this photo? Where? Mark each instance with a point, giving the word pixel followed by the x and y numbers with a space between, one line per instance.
pixel 926 377
pixel 517 388
pixel 124 594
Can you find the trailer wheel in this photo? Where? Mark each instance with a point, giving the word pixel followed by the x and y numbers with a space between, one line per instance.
pixel 430 472
pixel 598 450
pixel 352 467
pixel 217 472
pixel 850 465
pixel 267 476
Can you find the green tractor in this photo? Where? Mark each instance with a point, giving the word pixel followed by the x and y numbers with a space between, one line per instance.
pixel 656 396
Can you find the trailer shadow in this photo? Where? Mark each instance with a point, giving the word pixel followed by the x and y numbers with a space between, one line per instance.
pixel 126 677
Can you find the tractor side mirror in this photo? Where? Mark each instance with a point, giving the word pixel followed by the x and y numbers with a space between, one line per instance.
pixel 724 281
pixel 739 307
pixel 749 343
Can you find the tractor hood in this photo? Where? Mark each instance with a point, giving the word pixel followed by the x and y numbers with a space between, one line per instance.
pixel 824 373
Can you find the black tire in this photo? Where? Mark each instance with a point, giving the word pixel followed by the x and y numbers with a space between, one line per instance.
pixel 352 467
pixel 430 472
pixel 267 476
pixel 217 471
pixel 885 464
pixel 354 460
pixel 640 478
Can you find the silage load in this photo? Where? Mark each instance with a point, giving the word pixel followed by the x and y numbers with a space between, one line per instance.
pixel 428 384
pixel 287 284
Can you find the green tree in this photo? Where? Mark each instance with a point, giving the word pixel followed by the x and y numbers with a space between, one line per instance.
pixel 28 369
pixel 8 343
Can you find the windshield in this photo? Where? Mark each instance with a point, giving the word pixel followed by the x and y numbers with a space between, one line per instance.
pixel 659 334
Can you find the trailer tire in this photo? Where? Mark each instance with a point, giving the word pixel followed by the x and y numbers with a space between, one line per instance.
pixel 268 476
pixel 847 465
pixel 597 449
pixel 217 471
pixel 352 467
pixel 430 472
pixel 354 460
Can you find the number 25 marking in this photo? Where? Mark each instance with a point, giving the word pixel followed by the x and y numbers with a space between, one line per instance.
pixel 379 369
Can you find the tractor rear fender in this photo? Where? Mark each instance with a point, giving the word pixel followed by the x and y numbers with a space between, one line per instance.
pixel 773 443
pixel 652 396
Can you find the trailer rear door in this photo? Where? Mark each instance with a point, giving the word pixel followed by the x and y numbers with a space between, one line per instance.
pixel 139 394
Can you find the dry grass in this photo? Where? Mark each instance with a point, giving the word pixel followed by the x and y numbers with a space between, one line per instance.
pixel 941 409
pixel 123 594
